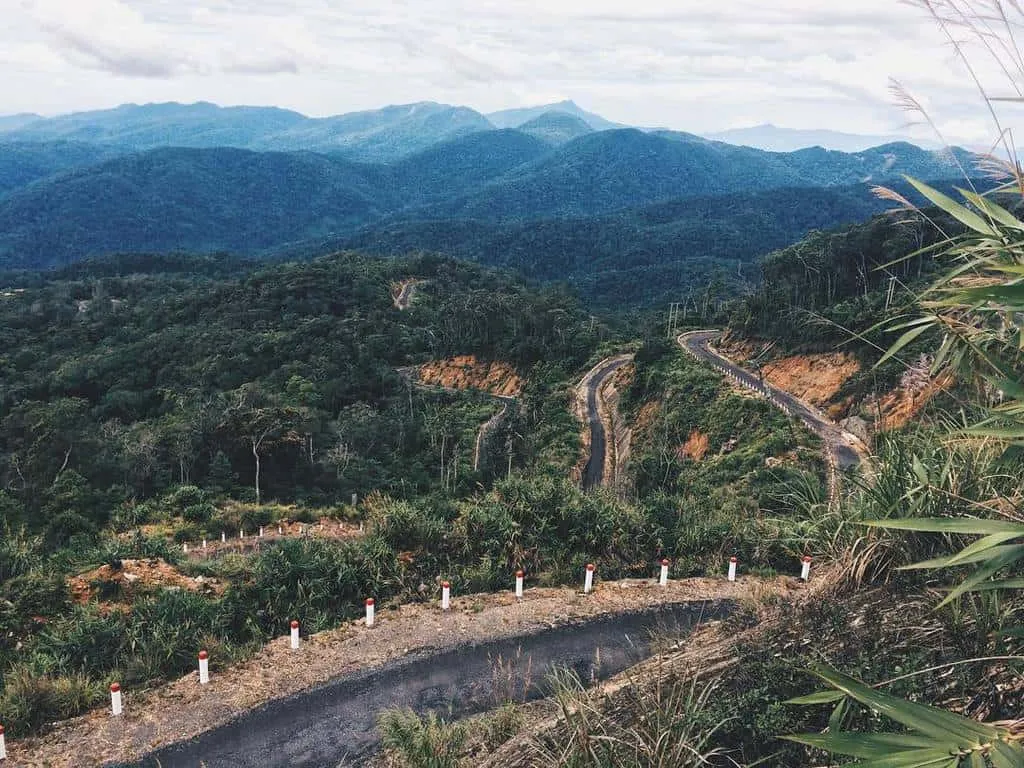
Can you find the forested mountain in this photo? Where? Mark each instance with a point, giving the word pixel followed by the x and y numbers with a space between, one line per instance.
pixel 186 199
pixel 378 135
pixel 514 118
pixel 21 163
pixel 634 257
pixel 554 198
pixel 776 139
pixel 145 126
pixel 556 127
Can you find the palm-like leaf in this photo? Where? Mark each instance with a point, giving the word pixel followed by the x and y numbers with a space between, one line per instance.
pixel 935 737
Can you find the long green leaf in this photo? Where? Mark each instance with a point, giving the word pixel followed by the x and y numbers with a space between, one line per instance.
pixel 868 744
pixel 953 208
pixel 956 731
pixel 967 525
pixel 901 342
pixel 985 572
pixel 821 697
pixel 943 562
pixel 993 210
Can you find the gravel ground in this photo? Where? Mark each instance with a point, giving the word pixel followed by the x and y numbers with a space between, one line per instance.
pixel 183 709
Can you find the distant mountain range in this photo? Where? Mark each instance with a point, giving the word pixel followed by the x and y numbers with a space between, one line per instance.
pixel 554 196
pixel 777 139
pixel 379 135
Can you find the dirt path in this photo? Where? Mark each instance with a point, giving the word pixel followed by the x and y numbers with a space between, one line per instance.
pixel 402 292
pixel 489 426
pixel 599 421
pixel 842 449
pixel 183 710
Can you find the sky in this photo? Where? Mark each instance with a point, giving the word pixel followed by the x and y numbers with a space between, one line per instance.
pixel 685 64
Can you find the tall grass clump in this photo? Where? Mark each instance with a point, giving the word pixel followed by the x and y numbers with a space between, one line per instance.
pixel 415 742
pixel 654 722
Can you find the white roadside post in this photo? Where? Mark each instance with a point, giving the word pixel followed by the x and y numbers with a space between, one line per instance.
pixel 184 547
pixel 223 537
pixel 446 595
pixel 369 611
pixel 204 668
pixel 261 531
pixel 3 745
pixel 663 580
pixel 115 698
pixel 732 569
pixel 279 531
pixel 241 533
pixel 204 545
pixel 805 569
pixel 588 578
pixel 295 635
pixel 519 584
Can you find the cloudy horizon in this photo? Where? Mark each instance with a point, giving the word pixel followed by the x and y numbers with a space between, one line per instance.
pixel 683 66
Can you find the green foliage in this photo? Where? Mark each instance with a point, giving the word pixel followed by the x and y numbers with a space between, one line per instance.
pixel 159 387
pixel 422 742
pixel 935 737
pixel 653 723
pixel 29 702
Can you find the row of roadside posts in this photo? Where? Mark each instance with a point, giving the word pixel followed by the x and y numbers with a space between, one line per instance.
pixel 117 707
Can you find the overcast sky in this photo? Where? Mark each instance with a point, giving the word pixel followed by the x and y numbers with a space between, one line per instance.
pixel 694 65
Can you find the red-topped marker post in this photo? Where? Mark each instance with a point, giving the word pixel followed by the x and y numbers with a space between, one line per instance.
pixel 204 668
pixel 519 584
pixel 588 578
pixel 115 699
pixel 446 595
pixel 369 611
pixel 732 569
pixel 295 635
pixel 805 568
pixel 663 579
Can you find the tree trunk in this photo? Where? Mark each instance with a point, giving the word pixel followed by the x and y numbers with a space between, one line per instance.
pixel 256 454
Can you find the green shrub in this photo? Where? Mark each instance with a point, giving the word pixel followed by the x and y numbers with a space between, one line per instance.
pixel 422 742
pixel 185 496
pixel 36 593
pixel 65 527
pixel 30 702
pixel 199 513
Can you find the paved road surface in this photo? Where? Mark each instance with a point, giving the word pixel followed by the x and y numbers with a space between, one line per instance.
pixel 593 473
pixel 335 724
pixel 842 445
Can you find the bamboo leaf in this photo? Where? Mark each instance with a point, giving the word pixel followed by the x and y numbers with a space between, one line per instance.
pixel 993 210
pixel 953 208
pixel 872 745
pixel 902 341
pixel 943 562
pixel 967 525
pixel 821 697
pixel 985 572
pixel 951 729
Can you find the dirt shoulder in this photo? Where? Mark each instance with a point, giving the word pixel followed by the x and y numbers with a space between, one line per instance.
pixel 183 709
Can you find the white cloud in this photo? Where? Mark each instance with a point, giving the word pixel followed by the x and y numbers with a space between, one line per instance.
pixel 687 64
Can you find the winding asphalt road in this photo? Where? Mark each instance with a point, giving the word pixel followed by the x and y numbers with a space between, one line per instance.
pixel 593 473
pixel 335 724
pixel 843 450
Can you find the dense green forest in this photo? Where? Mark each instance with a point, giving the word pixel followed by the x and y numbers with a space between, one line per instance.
pixel 132 383
pixel 141 394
